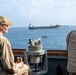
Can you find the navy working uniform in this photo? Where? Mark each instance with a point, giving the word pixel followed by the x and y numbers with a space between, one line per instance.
pixel 71 47
pixel 7 65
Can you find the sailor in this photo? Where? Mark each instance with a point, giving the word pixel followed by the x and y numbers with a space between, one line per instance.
pixel 71 47
pixel 7 64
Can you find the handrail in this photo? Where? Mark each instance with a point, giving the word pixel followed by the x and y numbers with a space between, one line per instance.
pixel 49 52
pixel 18 51
pixel 56 53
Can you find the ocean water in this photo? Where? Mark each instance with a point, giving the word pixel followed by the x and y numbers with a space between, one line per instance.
pixel 56 38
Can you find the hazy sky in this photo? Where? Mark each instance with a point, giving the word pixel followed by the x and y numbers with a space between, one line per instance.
pixel 39 12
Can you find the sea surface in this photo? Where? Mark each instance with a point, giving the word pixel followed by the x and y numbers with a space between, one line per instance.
pixel 56 38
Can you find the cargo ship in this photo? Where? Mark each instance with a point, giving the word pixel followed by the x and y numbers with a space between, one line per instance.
pixel 43 27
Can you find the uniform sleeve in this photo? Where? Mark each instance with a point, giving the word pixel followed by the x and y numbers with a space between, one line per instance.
pixel 67 38
pixel 7 57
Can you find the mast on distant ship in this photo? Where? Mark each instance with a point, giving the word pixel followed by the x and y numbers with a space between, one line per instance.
pixel 30 25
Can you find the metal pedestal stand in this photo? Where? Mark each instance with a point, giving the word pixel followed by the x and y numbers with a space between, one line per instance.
pixel 40 67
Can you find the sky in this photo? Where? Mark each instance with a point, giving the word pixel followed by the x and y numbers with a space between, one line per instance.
pixel 39 12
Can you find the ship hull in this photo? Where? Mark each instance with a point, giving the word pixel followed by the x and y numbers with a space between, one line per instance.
pixel 45 27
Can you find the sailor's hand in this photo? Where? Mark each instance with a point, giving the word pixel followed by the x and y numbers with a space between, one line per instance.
pixel 20 65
